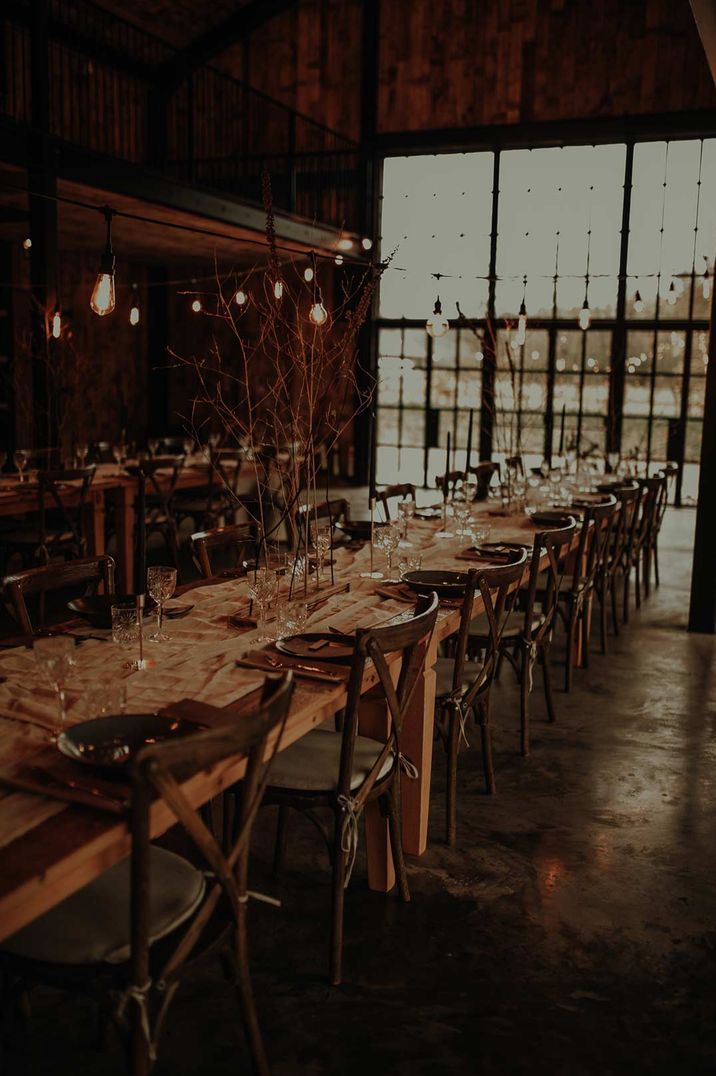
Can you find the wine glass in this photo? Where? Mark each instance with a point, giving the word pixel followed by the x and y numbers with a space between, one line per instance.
pixel 469 490
pixel 388 539
pixel 119 453
pixel 406 510
pixel 461 514
pixel 410 562
pixel 82 450
pixel 153 445
pixel 321 544
pixel 291 619
pixel 263 589
pixel 544 468
pixel 54 657
pixel 20 460
pixel 188 446
pixel 161 584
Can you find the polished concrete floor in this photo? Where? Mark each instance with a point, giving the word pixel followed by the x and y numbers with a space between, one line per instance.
pixel 572 930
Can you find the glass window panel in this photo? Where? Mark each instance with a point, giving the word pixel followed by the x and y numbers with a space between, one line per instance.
pixel 699 353
pixel 436 218
pixel 593 438
pixel 645 306
pixel 637 393
pixel 388 419
pixel 670 347
pixel 569 352
pixel 413 429
pixel 697 391
pixel 415 384
pixel 445 349
pixel 693 440
pixel 640 353
pixel 470 388
pixel 443 387
pixel 536 349
pixel 470 348
pixel 534 392
pixel 667 397
pixel 659 440
pixel 634 437
pixel 595 395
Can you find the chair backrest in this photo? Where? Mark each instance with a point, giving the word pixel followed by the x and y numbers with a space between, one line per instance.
pixel 157 772
pixel 483 473
pixel 337 510
pixel 547 580
pixel 516 463
pixel 628 498
pixel 448 482
pixel 62 574
pixel 62 496
pixel 161 474
pixel 411 638
pixel 238 538
pixel 595 539
pixel 653 509
pixel 498 588
pixel 402 491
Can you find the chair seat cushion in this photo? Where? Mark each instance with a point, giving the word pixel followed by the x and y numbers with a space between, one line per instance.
pixel 514 627
pixel 444 671
pixel 92 925
pixel 311 763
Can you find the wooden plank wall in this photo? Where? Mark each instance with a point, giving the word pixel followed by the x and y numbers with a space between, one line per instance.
pixel 460 63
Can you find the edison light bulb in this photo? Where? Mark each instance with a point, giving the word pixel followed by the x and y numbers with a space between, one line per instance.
pixel 367 244
pixel 585 317
pixel 134 315
pixel 196 306
pixel 56 325
pixel 338 259
pixel 671 295
pixel 345 244
pixel 706 285
pixel 521 334
pixel 278 289
pixel 318 314
pixel 240 297
pixel 437 324
pixel 103 298
pixel 638 302
pixel 27 243
pixel 308 275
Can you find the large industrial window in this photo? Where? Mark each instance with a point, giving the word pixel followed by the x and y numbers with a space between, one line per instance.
pixel 622 236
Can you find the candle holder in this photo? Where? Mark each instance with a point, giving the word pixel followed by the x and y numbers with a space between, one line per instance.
pixel 373 573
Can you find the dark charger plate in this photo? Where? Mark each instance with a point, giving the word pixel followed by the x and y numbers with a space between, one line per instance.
pixel 98 608
pixel 335 647
pixel 446 584
pixel 114 740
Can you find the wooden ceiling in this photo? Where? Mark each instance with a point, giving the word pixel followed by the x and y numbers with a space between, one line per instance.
pixel 176 21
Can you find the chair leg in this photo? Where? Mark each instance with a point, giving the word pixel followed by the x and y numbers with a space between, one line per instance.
pixel 615 617
pixel 547 681
pixel 647 572
pixel 452 747
pixel 625 596
pixel 603 598
pixel 657 581
pixel 486 739
pixel 571 635
pixel 396 839
pixel 524 679
pixel 637 581
pixel 279 851
pixel 245 996
pixel 586 618
pixel 337 905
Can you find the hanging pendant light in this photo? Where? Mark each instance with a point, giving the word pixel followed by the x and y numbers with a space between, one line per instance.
pixel 521 334
pixel 134 311
pixel 103 299
pixel 706 283
pixel 241 297
pixel 672 294
pixel 56 328
pixel 437 324
pixel 638 302
pixel 585 315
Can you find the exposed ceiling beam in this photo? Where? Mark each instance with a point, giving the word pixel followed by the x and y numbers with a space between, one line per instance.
pixel 207 46
pixel 704 12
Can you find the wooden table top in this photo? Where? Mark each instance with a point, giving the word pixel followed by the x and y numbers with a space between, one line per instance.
pixel 48 849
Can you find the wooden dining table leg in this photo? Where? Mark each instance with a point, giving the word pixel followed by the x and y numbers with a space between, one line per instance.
pixel 93 523
pixel 122 498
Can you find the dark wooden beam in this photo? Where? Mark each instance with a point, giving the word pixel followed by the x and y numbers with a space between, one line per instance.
pixel 43 229
pixel 489 353
pixel 617 382
pixel 702 610
pixel 231 31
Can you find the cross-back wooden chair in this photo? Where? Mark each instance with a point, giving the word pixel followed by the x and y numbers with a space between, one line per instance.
pixel 238 540
pixel 516 463
pixel 336 510
pixel 483 474
pixel 161 477
pixel 401 491
pixel 343 771
pixel 90 573
pixel 589 563
pixel 57 527
pixel 216 499
pixel 131 936
pixel 463 687
pixel 528 632
pixel 658 491
pixel 618 560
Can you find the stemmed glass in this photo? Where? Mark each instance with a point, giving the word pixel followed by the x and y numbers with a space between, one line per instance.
pixel 119 452
pixel 161 584
pixel 388 539
pixel 82 450
pixel 469 490
pixel 153 445
pixel 54 657
pixel 188 446
pixel 321 544
pixel 406 509
pixel 461 513
pixel 20 461
pixel 263 589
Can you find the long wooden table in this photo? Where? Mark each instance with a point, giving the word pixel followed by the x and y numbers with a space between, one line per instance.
pixel 49 850
pixel 111 489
